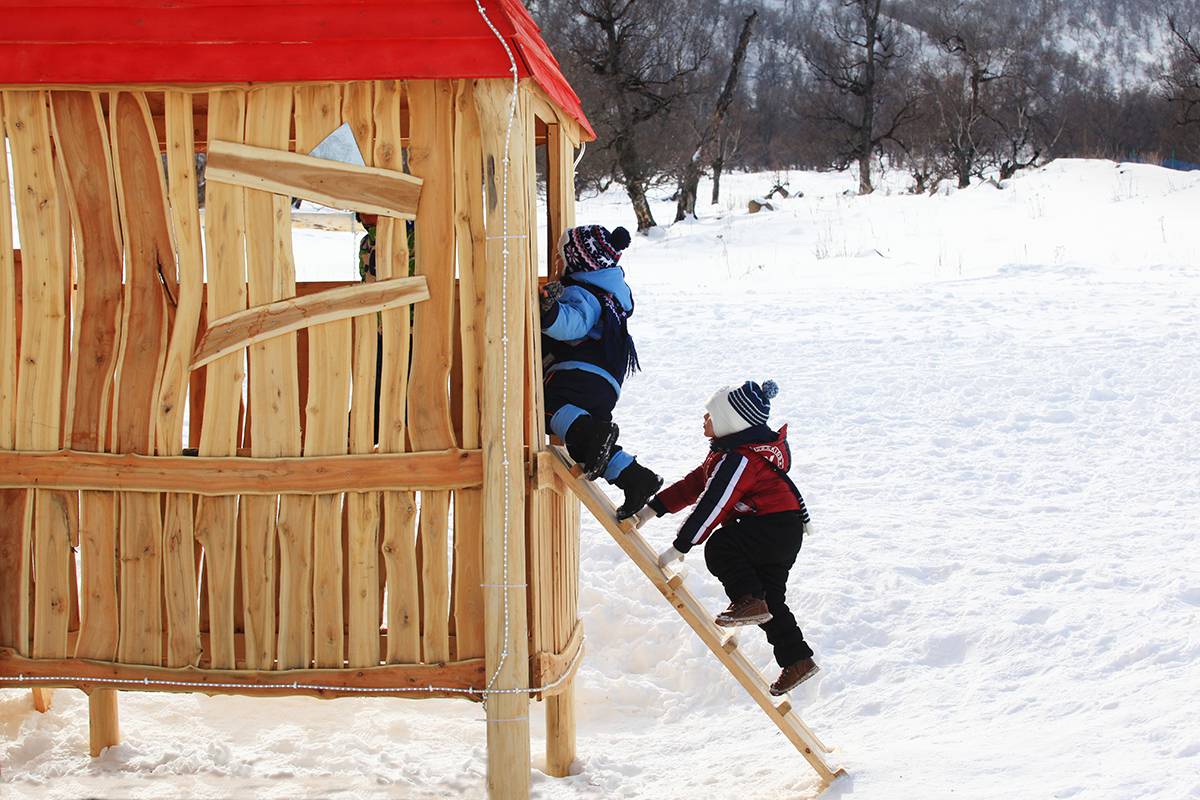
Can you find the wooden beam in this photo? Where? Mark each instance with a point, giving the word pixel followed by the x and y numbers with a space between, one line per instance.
pixel 260 323
pixel 506 618
pixel 548 667
pixel 370 190
pixel 91 675
pixel 217 476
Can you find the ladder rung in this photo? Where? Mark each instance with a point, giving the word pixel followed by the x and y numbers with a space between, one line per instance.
pixel 675 581
pixel 729 643
pixel 784 708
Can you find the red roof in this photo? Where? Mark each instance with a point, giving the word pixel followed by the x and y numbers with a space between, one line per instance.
pixel 212 41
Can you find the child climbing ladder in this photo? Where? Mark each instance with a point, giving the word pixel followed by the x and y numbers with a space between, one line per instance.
pixel 722 643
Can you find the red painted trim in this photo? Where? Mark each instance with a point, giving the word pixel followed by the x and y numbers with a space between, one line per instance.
pixel 208 41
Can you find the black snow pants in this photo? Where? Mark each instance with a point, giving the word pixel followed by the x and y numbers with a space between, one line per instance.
pixel 752 556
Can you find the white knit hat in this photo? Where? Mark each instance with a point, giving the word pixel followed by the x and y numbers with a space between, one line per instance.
pixel 735 410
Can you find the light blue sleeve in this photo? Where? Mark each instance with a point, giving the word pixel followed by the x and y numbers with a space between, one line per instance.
pixel 578 311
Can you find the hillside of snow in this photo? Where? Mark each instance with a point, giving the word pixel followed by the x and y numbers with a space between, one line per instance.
pixel 991 399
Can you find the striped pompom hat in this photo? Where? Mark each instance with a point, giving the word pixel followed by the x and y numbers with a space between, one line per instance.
pixel 590 247
pixel 735 410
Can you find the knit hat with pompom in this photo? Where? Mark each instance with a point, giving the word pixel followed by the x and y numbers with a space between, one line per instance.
pixel 735 410
pixel 591 247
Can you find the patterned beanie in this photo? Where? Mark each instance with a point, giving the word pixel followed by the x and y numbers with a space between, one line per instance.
pixel 591 247
pixel 735 410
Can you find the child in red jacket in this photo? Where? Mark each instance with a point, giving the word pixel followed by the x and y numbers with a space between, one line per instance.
pixel 753 519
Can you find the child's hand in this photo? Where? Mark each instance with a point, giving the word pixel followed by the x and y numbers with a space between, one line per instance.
pixel 669 556
pixel 548 295
pixel 645 515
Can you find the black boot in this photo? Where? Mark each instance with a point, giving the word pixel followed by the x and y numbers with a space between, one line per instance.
pixel 639 485
pixel 589 443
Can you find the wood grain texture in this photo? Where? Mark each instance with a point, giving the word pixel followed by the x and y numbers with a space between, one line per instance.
pixel 149 260
pixel 330 183
pixel 42 347
pixel 180 585
pixel 472 254
pixel 398 528
pixel 431 157
pixel 15 539
pixel 318 111
pixel 274 391
pixel 216 518
pixel 85 160
pixel 364 600
pixel 502 427
pixel 271 320
pixel 84 674
pixel 214 476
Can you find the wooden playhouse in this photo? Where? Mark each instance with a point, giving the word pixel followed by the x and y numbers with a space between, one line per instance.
pixel 197 493
pixel 292 553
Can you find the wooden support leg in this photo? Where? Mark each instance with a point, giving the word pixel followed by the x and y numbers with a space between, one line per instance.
pixel 103 726
pixel 560 731
pixel 508 746
pixel 41 700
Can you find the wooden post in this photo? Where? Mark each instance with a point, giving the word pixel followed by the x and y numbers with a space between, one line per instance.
pixel 560 708
pixel 502 428
pixel 104 728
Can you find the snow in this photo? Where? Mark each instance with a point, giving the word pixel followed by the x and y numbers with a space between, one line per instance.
pixel 990 395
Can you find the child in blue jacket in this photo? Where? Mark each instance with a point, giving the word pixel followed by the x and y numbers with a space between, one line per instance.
pixel 587 353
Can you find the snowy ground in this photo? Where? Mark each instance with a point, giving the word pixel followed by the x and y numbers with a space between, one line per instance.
pixel 992 404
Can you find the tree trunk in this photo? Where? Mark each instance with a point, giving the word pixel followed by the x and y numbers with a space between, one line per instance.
pixel 870 14
pixel 641 207
pixel 962 166
pixel 689 182
pixel 717 166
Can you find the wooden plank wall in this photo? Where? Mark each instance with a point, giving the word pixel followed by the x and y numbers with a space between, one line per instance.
pixel 259 581
pixel 14 545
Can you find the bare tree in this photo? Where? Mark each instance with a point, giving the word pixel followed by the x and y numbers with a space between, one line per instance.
pixel 1180 82
pixel 852 49
pixel 635 58
pixel 689 182
pixel 982 49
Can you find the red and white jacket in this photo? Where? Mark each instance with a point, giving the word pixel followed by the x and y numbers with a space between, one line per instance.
pixel 731 484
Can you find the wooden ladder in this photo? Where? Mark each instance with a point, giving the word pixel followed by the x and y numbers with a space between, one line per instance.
pixel 720 641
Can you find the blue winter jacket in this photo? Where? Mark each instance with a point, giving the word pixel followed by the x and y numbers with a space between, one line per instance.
pixel 575 321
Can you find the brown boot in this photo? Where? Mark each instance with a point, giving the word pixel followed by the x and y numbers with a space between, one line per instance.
pixel 793 675
pixel 746 610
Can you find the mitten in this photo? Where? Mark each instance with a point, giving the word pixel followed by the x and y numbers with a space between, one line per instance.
pixel 548 295
pixel 645 515
pixel 668 556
